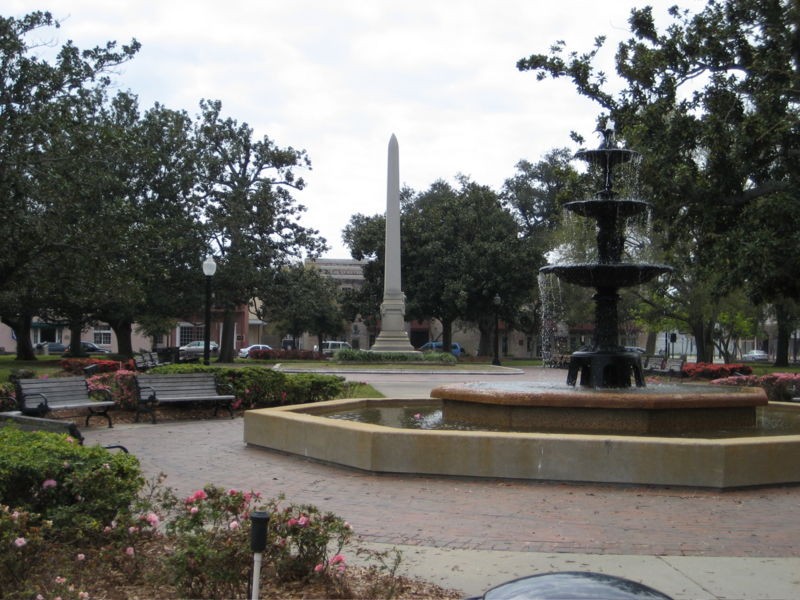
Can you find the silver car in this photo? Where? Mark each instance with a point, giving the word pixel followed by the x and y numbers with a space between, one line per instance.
pixel 245 352
pixel 196 349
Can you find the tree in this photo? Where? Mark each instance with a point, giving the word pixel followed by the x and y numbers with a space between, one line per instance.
pixel 713 104
pixel 460 248
pixel 250 214
pixel 39 102
pixel 299 299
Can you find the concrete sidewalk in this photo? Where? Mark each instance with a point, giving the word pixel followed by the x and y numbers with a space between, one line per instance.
pixel 473 534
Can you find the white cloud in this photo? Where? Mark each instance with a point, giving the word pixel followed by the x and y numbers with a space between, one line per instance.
pixel 338 78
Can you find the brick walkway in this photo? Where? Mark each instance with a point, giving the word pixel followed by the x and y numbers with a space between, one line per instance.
pixel 476 514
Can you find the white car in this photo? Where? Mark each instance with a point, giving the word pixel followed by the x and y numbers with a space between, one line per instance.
pixel 245 352
pixel 755 356
pixel 330 347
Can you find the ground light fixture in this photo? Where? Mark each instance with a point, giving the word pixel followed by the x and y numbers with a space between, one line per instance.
pixel 258 542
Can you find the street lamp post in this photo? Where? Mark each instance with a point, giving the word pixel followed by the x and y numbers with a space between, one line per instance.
pixel 497 301
pixel 209 268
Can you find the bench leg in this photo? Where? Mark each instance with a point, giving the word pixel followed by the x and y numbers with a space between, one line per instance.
pixel 225 405
pixel 100 413
pixel 149 407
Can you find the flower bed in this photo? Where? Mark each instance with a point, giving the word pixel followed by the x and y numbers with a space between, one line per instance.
pixel 714 370
pixel 780 387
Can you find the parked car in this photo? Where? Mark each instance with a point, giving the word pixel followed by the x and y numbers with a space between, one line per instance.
pixel 245 352
pixel 92 348
pixel 51 347
pixel 755 356
pixel 329 347
pixel 456 348
pixel 196 349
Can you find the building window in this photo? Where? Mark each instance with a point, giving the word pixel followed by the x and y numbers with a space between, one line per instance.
pixel 102 335
pixel 191 333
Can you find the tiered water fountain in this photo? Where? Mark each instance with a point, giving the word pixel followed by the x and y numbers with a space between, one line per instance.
pixel 604 429
pixel 606 364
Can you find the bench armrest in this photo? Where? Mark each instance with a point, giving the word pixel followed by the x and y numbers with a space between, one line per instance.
pixel 39 410
pixel 143 397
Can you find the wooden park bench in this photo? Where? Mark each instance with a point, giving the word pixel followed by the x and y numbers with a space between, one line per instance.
pixel 155 389
pixel 147 360
pixel 672 367
pixel 38 397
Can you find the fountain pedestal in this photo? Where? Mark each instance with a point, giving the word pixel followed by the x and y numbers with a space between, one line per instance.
pixel 606 369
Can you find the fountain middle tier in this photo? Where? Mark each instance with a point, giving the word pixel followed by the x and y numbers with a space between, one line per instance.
pixel 607 275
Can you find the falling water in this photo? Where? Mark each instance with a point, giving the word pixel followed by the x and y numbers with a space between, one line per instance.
pixel 554 340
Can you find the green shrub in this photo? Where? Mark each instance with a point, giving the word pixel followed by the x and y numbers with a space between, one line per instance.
pixel 365 356
pixel 23 542
pixel 120 384
pixel 8 396
pixel 80 489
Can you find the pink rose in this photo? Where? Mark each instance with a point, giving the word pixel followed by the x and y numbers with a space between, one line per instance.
pixel 339 558
pixel 194 510
pixel 49 483
pixel 20 542
pixel 81 556
pixel 130 551
pixel 303 521
pixel 319 568
pixel 234 525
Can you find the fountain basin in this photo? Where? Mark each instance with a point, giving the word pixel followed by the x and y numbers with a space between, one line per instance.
pixel 664 409
pixel 574 457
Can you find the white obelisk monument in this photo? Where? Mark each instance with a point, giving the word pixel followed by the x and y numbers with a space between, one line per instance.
pixel 393 336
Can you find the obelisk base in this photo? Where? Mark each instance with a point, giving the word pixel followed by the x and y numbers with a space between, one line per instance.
pixel 393 336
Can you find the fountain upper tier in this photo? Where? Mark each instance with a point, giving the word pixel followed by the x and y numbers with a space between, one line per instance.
pixel 614 275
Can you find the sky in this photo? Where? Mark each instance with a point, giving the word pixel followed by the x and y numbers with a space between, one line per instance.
pixel 338 77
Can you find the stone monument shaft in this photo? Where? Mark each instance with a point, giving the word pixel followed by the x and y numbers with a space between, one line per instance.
pixel 393 336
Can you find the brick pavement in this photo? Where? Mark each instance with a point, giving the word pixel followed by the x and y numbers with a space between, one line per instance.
pixel 476 514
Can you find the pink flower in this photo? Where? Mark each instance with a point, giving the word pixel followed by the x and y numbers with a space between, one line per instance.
pixel 198 495
pixel 291 522
pixel 83 595
pixel 49 483
pixel 303 521
pixel 319 568
pixel 59 580
pixel 152 519
pixel 418 416
pixel 234 525
pixel 20 542
pixel 133 530
pixel 194 510
pixel 81 556
pixel 130 551
pixel 339 558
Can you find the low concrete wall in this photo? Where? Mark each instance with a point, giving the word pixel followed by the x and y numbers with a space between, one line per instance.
pixel 715 463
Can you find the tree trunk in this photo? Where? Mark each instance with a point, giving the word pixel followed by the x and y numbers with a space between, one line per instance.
pixel 75 330
pixel 22 329
pixel 447 334
pixel 703 341
pixel 785 321
pixel 486 329
pixel 228 332
pixel 123 330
